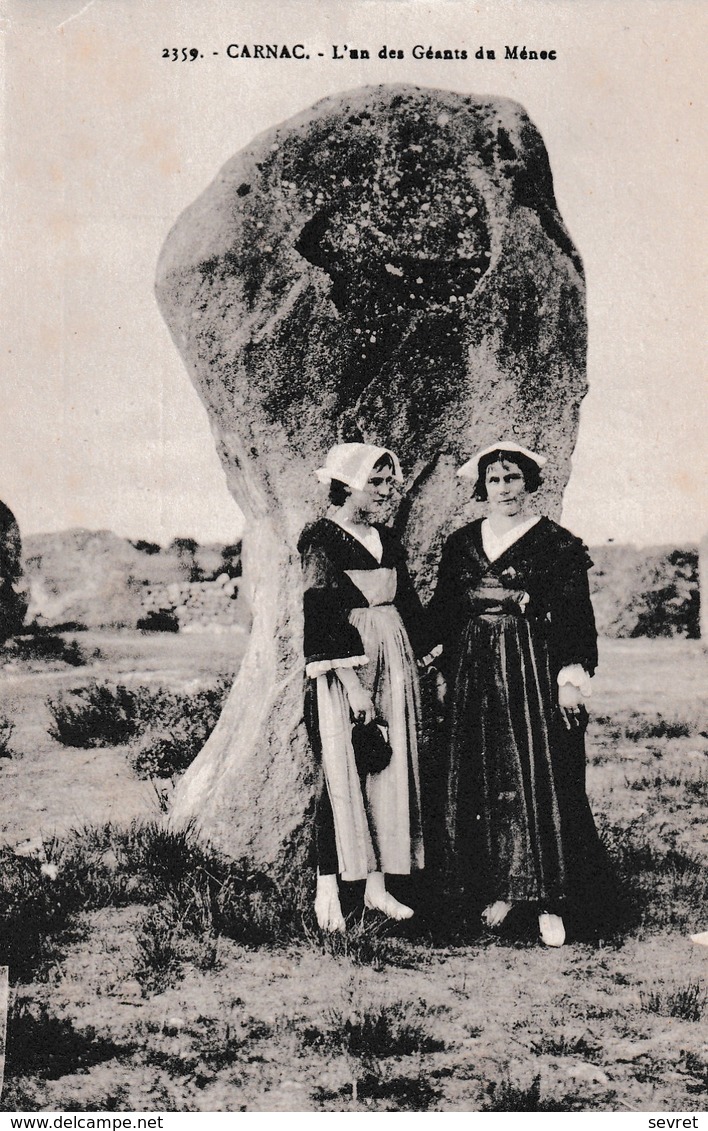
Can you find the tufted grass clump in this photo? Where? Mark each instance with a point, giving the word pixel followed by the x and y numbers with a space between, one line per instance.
pixel 191 892
pixel 164 946
pixel 565 1044
pixel 197 888
pixel 369 1034
pixel 689 1001
pixel 366 943
pixel 504 1095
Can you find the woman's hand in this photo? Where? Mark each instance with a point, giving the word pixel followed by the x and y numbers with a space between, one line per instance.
pixel 572 706
pixel 360 702
pixel 440 688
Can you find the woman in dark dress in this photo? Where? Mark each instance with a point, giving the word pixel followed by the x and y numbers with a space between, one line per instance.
pixel 512 605
pixel 363 621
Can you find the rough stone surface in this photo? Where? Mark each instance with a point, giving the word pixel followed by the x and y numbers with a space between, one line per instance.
pixel 13 595
pixel 389 266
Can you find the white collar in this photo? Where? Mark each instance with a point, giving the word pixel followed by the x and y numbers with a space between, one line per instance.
pixel 495 544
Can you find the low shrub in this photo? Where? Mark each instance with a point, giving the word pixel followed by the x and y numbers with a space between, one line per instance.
pixel 159 620
pixel 170 727
pixel 45 646
pixel 100 714
pixel 179 730
pixel 51 648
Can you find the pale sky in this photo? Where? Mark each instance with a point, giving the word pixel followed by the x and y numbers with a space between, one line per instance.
pixel 106 142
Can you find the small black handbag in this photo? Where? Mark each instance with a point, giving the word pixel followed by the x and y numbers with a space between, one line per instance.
pixel 372 750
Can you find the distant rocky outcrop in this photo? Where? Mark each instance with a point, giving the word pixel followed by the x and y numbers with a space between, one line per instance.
pixel 96 579
pixel 192 606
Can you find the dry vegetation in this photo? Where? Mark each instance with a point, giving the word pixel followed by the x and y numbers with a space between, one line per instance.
pixel 149 973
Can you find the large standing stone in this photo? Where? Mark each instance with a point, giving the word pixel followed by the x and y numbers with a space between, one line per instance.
pixel 389 266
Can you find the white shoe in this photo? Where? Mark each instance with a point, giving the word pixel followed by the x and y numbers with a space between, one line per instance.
pixel 389 906
pixel 701 939
pixel 328 909
pixel 552 929
pixel 376 898
pixel 495 914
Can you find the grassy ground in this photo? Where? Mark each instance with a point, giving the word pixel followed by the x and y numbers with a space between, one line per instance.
pixel 152 975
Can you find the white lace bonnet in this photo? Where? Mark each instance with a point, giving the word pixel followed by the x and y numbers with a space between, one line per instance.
pixel 353 463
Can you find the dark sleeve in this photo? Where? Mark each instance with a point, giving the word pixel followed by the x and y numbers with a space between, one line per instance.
pixel 573 636
pixel 329 639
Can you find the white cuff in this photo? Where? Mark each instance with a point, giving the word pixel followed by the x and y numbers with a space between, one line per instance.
pixel 426 661
pixel 576 674
pixel 321 667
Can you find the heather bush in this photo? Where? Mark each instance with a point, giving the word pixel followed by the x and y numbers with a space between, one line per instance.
pixel 170 727
pixel 43 645
pixel 100 714
pixel 179 728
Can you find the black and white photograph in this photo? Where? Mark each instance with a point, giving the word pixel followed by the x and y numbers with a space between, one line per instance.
pixel 353 530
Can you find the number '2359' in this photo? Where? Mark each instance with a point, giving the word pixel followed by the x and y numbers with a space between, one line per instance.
pixel 181 54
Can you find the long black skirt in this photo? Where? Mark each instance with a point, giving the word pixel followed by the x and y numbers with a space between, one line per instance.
pixel 519 826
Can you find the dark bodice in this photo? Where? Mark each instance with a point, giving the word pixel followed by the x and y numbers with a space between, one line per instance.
pixel 541 577
pixel 328 552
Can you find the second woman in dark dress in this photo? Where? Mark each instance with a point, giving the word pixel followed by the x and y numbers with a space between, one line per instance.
pixel 512 606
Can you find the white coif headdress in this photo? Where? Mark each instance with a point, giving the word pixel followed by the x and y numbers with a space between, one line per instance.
pixel 353 463
pixel 470 470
